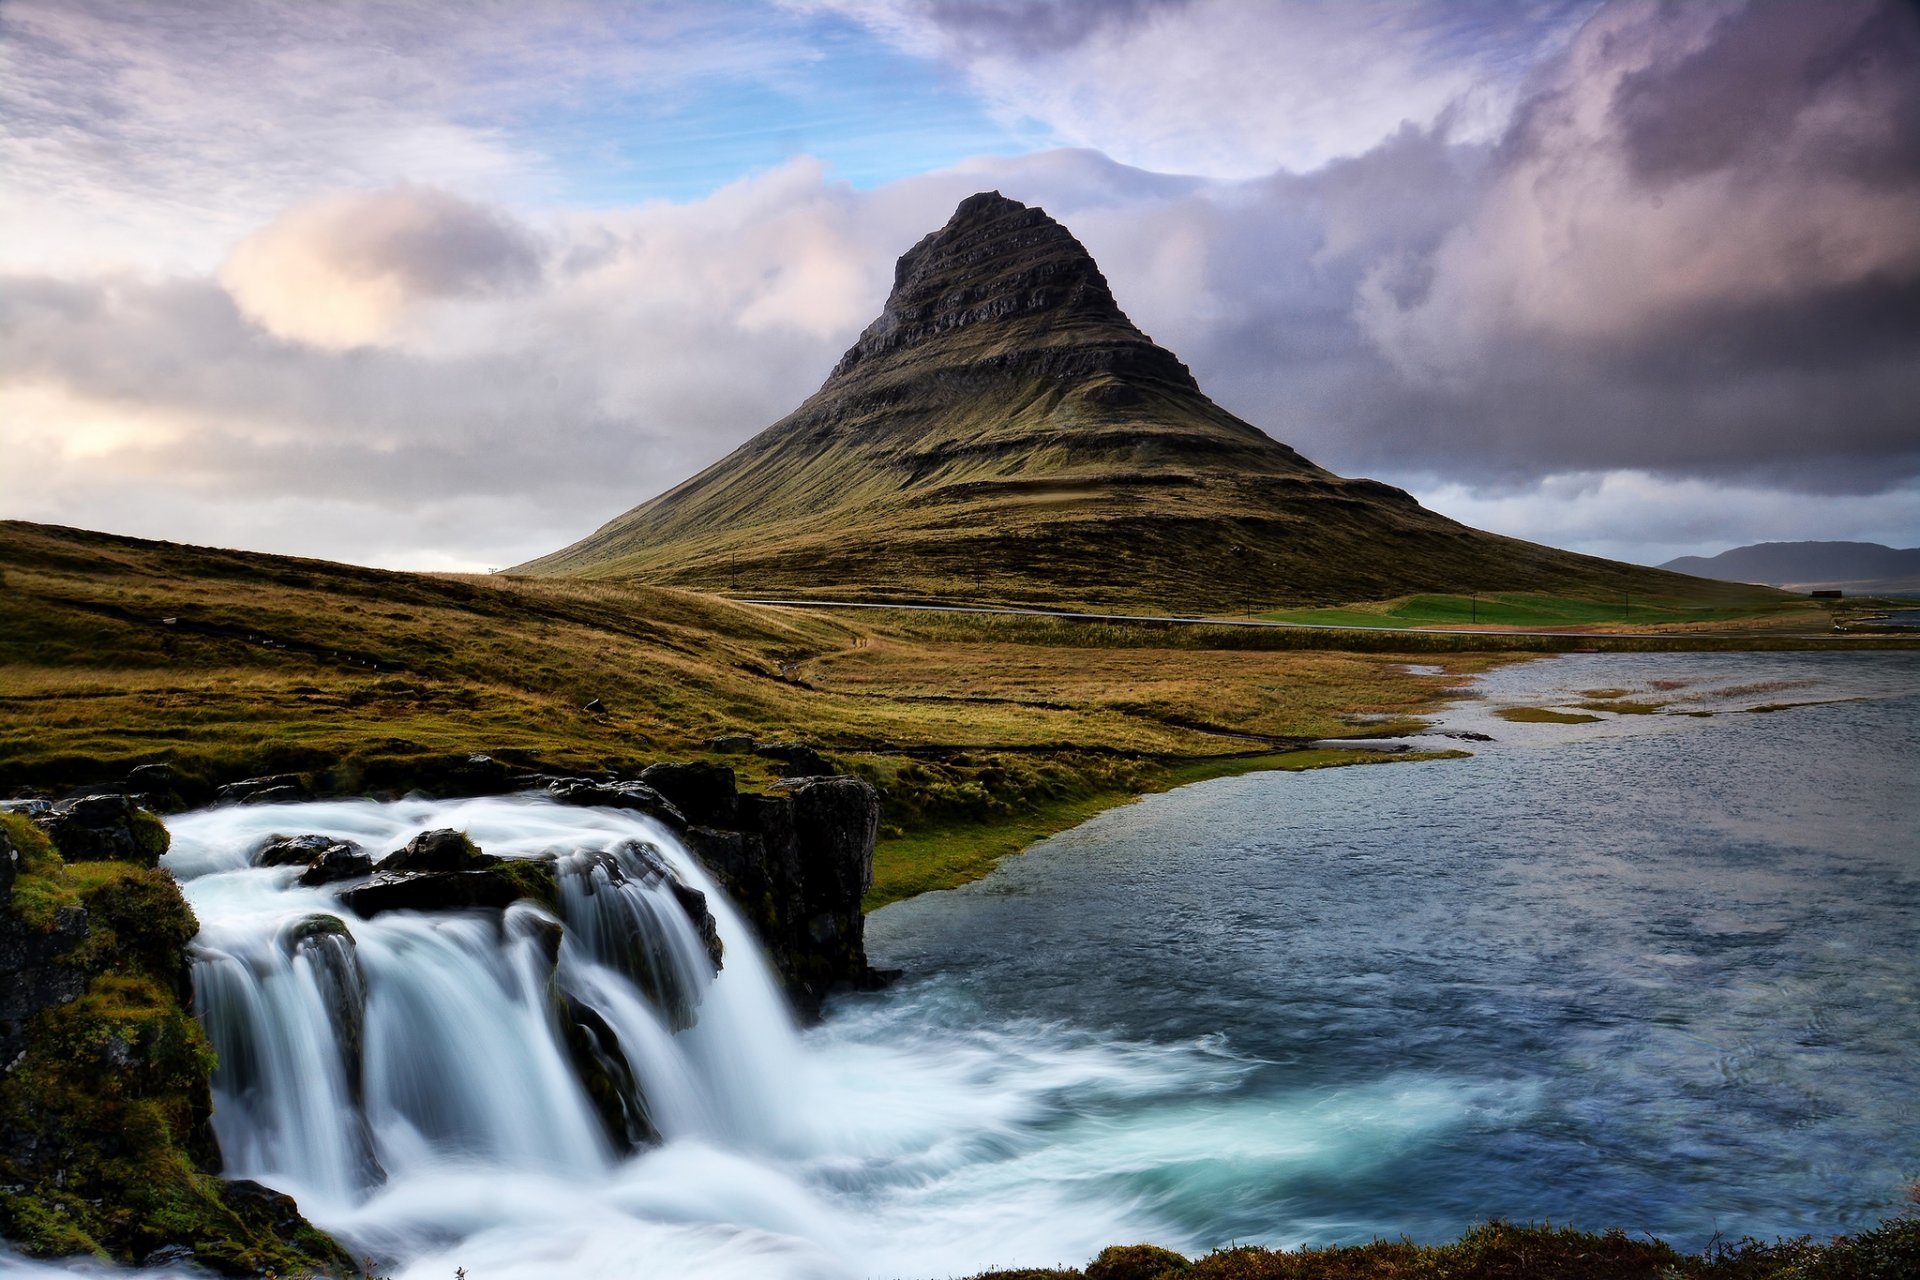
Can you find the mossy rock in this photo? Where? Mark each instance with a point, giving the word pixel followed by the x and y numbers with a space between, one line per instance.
pixel 1136 1262
pixel 105 1147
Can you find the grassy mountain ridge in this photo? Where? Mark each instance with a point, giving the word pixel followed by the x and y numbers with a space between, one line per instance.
pixel 1002 431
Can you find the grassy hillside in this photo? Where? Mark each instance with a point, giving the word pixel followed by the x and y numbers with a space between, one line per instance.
pixel 982 733
pixel 1002 432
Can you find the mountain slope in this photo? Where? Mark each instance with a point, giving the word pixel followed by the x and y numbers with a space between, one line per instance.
pixel 1003 431
pixel 1861 566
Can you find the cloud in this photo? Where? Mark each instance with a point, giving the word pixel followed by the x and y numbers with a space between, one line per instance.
pixel 1751 264
pixel 1580 329
pixel 344 270
pixel 1227 89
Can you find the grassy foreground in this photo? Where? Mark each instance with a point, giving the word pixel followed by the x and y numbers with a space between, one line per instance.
pixel 1506 1251
pixel 981 733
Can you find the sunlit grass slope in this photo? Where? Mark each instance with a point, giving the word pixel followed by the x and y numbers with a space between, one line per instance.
pixel 117 651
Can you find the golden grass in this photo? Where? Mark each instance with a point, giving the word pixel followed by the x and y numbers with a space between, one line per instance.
pixel 979 734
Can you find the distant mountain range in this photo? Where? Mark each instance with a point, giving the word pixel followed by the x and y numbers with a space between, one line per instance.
pixel 1004 432
pixel 1864 568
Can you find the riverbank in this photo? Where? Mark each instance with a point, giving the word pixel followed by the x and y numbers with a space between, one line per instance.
pixel 1506 1251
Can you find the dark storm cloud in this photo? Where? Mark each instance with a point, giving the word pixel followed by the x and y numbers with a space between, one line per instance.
pixel 1698 250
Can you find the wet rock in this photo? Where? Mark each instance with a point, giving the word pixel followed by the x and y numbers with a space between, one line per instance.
pixel 636 797
pixel 324 858
pixel 797 863
pixel 441 850
pixel 594 706
pixel 278 788
pixel 338 861
pixel 603 1070
pixel 291 851
pixel 432 891
pixel 444 872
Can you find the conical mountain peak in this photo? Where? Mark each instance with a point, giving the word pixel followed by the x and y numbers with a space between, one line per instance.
pixel 1003 280
pixel 1003 431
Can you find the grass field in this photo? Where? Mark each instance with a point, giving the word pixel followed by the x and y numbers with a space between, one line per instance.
pixel 982 732
pixel 1532 611
pixel 116 652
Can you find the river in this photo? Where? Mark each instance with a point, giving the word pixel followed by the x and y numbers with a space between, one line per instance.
pixel 1656 971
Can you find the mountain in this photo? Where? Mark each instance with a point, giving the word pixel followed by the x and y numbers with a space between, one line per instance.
pixel 1861 567
pixel 1002 431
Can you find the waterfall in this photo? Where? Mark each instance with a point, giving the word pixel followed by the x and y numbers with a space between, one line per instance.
pixel 578 1091
pixel 354 1050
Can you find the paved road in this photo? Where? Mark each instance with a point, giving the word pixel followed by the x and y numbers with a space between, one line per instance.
pixel 1218 622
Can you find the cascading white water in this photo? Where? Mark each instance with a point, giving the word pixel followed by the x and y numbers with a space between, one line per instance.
pixel 408 1078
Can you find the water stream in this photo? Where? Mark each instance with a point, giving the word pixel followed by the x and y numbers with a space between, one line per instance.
pixel 1655 971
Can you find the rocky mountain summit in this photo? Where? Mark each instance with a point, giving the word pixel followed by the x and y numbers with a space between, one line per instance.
pixel 1003 431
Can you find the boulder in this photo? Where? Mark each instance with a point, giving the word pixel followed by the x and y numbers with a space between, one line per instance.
pixel 291 851
pixel 442 850
pixel 104 828
pixel 340 860
pixel 432 891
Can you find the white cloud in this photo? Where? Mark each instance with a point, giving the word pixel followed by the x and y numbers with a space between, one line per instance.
pixel 1648 519
pixel 1228 89
pixel 343 271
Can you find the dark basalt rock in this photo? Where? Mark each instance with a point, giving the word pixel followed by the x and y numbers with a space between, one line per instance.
pixel 442 850
pixel 104 828
pixel 637 797
pixel 492 888
pixel 797 863
pixel 695 787
pixel 338 861
pixel 325 858
pixel 603 1070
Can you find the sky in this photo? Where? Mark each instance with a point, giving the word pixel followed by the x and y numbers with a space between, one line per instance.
pixel 446 287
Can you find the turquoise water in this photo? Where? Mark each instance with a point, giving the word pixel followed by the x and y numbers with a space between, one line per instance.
pixel 1659 972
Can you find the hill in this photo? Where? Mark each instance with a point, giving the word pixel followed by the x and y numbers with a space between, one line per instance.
pixel 1002 431
pixel 1861 568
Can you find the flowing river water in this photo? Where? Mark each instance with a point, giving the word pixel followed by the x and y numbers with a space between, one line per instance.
pixel 1656 971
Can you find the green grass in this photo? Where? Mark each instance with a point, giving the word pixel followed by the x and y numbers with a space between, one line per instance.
pixel 1527 610
pixel 372 681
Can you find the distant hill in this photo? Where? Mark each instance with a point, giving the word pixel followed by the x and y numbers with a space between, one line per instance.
pixel 1002 431
pixel 1864 568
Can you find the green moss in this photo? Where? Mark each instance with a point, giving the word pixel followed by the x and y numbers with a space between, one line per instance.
pixel 533 877
pixel 107 1109
pixel 151 834
pixel 41 889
